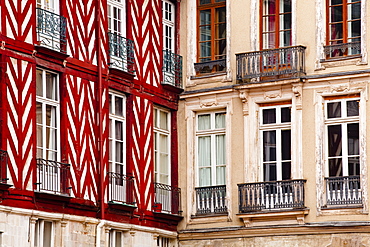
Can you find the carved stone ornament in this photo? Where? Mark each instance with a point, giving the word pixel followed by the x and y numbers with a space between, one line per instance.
pixel 339 88
pixel 272 95
pixel 243 95
pixel 2 47
pixel 355 241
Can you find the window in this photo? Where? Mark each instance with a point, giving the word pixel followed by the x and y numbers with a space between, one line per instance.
pixel 211 147
pixel 162 146
pixel 344 28
pixel 163 242
pixel 168 13
pixel 275 128
pixel 47 115
pixel 342 127
pixel 117 134
pixel 50 5
pixel 276 23
pixel 116 17
pixel 44 233
pixel 116 238
pixel 212 34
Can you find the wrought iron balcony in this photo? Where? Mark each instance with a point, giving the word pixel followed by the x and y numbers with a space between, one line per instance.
pixel 120 188
pixel 121 51
pixel 51 30
pixel 172 69
pixel 3 166
pixel 167 199
pixel 52 177
pixel 275 195
pixel 211 200
pixel 344 49
pixel 343 190
pixel 267 65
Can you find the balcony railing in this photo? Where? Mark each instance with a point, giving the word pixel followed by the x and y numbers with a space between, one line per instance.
pixel 3 166
pixel 167 199
pixel 121 51
pixel 287 62
pixel 51 30
pixel 211 200
pixel 52 177
pixel 344 49
pixel 287 194
pixel 343 190
pixel 120 188
pixel 172 69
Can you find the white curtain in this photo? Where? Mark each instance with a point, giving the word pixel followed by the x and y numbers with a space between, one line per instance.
pixel 204 160
pixel 220 160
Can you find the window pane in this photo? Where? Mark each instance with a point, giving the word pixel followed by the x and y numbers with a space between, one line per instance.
pixel 220 120
pixel 39 138
pixel 353 166
pixel 51 87
pixel 285 6
pixel 336 13
pixel 220 150
pixel 334 2
pixel 220 175
pixel 336 31
pixel 51 138
pixel 269 23
pixel 38 113
pixel 285 114
pixel 204 151
pixel 286 171
pixel 51 116
pixel 205 33
pixel 205 17
pixel 334 110
pixel 335 140
pixel 354 29
pixel 352 108
pixel 285 145
pixel 163 143
pixel 163 124
pixel 221 14
pixel 119 152
pixel 204 2
pixel 269 172
pixel 353 139
pixel 204 177
pixel 39 85
pixel 269 7
pixel 285 21
pixel 204 122
pixel 354 11
pixel 335 167
pixel 269 116
pixel 269 145
pixel 110 104
pixel 220 48
pixel 119 130
pixel 205 51
pixel 118 101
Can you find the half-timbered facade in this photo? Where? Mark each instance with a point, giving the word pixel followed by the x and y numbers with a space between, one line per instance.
pixel 88 122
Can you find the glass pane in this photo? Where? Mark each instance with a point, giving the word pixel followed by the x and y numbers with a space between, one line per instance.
pixel 51 116
pixel 163 117
pixel 119 130
pixel 354 29
pixel 269 41
pixel 110 128
pixel 220 120
pixel 352 108
pixel 118 239
pixel 286 170
pixel 269 116
pixel 39 138
pixel 39 84
pixel 220 48
pixel 285 115
pixel 204 151
pixel 285 21
pixel 205 33
pixel 269 7
pixel 163 167
pixel 269 145
pixel 204 2
pixel 205 17
pixel 335 167
pixel 269 23
pixel 205 51
pixel 38 113
pixel 336 31
pixel 353 139
pixel 221 31
pixel 51 87
pixel 220 175
pixel 163 143
pixel 51 138
pixel 285 39
pixel 285 6
pixel 204 122
pixel 334 2
pixel 336 13
pixel 220 150
pixel 354 11
pixel 221 14
pixel 334 110
pixel 118 103
pixel 335 140
pixel 110 104
pixel 285 145
pixel 119 152
pixel 204 177
pixel 110 150
pixel 269 171
pixel 51 155
pixel 353 166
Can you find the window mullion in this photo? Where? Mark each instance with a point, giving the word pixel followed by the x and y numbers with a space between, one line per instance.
pixel 278 155
pixel 213 160
pixel 345 149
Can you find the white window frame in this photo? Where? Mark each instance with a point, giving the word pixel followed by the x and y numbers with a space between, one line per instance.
pixel 121 6
pixel 44 101
pixel 278 127
pixel 212 132
pixel 168 19
pixel 113 118
pixel 343 121
pixel 160 131
pixel 50 5
pixel 40 233
pixel 113 238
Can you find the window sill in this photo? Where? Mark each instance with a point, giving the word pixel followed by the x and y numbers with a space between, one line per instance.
pixel 342 210
pixel 209 75
pixel 341 61
pixel 210 218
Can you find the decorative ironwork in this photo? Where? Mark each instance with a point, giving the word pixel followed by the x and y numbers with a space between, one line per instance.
pixel 288 62
pixel 208 66
pixel 339 50
pixel 51 30
pixel 120 188
pixel 3 166
pixel 121 51
pixel 211 200
pixel 172 69
pixel 271 195
pixel 167 197
pixel 52 177
pixel 343 190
